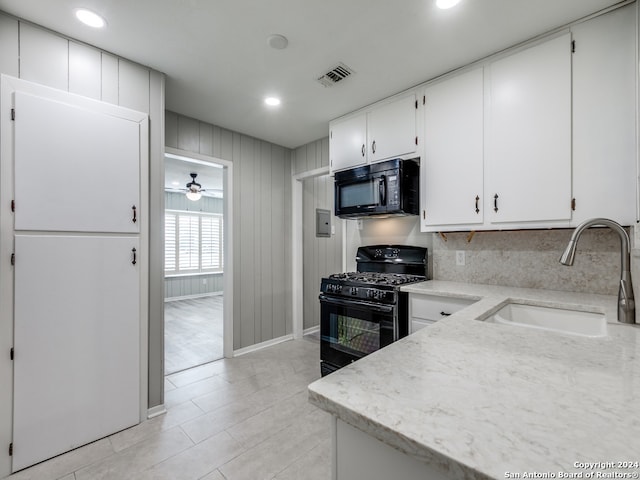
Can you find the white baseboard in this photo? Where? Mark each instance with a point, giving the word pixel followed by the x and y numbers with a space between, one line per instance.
pixel 310 330
pixel 197 295
pixel 156 411
pixel 261 345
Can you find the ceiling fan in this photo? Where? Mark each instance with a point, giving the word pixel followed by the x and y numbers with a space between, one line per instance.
pixel 194 189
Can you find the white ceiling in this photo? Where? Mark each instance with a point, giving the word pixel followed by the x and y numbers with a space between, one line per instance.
pixel 219 66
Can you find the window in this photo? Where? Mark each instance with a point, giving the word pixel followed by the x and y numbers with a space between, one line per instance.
pixel 193 242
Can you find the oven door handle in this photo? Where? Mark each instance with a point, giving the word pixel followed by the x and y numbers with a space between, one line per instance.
pixel 376 307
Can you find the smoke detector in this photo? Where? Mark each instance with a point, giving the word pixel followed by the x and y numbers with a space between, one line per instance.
pixel 335 75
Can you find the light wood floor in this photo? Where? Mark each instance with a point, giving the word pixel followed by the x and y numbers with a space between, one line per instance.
pixel 245 418
pixel 192 332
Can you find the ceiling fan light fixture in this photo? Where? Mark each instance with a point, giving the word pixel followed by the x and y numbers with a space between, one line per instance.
pixel 193 196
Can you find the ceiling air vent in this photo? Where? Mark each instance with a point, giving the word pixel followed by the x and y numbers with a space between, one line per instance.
pixel 336 74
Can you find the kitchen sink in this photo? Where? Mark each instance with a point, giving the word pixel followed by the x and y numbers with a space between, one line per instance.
pixel 573 322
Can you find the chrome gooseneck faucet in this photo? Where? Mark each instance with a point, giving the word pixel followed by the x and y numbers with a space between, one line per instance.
pixel 626 303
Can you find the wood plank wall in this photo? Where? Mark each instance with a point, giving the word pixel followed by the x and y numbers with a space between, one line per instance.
pixel 262 224
pixel 322 256
pixel 32 53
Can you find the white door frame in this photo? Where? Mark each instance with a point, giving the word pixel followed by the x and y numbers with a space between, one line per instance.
pixel 297 250
pixel 227 324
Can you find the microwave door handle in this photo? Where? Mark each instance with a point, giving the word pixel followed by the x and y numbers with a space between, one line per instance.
pixel 382 189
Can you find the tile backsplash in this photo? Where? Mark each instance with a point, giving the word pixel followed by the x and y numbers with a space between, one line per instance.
pixel 529 258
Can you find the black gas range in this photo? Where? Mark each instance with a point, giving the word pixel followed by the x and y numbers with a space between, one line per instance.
pixel 365 310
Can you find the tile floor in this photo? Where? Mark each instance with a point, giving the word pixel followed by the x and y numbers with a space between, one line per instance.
pixel 192 332
pixel 245 418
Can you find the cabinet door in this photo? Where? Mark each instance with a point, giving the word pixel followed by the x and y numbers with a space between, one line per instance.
pixel 347 142
pixel 529 156
pixel 452 167
pixel 391 129
pixel 77 342
pixel 604 112
pixel 75 169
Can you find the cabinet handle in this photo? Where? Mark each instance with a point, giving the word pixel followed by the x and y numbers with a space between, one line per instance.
pixel 477 204
pixel 134 261
pixel 444 314
pixel 373 147
pixel 135 214
pixel 363 149
pixel 495 203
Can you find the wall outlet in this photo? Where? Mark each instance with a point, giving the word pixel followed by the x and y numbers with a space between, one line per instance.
pixel 204 281
pixel 360 224
pixel 460 257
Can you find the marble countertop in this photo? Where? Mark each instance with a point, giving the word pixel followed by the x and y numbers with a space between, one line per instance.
pixel 481 400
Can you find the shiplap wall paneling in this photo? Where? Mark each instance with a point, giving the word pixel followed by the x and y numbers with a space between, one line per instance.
pixel 281 250
pixel 109 78
pixel 176 287
pixel 9 46
pixel 44 57
pixel 85 70
pixel 246 296
pixel 262 287
pixel 133 82
pixel 265 252
pixel 321 256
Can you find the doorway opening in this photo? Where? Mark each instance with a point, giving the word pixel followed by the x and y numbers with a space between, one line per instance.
pixel 194 262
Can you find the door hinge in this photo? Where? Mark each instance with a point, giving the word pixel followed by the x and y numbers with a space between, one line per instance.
pixel 13 259
pixel 11 353
pixel 13 114
pixel 573 204
pixel 13 205
pixel 573 46
pixel 11 449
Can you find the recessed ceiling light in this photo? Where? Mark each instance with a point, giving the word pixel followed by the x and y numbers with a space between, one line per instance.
pixel 444 4
pixel 272 101
pixel 90 18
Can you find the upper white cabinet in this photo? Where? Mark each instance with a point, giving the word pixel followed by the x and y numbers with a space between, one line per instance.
pixel 529 134
pixel 391 129
pixel 386 130
pixel 604 117
pixel 83 172
pixel 452 165
pixel 348 142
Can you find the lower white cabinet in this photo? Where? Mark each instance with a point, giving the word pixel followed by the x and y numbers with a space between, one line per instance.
pixel 425 310
pixel 77 368
pixel 360 456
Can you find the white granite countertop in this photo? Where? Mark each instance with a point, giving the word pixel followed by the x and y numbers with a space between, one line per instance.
pixel 479 400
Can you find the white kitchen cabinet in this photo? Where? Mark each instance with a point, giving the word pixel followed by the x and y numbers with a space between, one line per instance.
pixel 77 342
pixel 528 163
pixel 425 310
pixel 391 129
pixel 348 142
pixel 83 172
pixel 452 166
pixel 385 130
pixel 604 117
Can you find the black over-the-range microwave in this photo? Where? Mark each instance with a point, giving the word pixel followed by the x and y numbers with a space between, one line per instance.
pixel 386 188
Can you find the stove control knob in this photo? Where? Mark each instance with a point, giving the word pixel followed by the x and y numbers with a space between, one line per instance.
pixel 354 291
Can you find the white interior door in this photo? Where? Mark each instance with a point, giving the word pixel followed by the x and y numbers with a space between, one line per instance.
pixel 77 342
pixel 75 169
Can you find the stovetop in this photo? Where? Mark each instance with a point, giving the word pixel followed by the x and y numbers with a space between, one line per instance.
pixel 377 278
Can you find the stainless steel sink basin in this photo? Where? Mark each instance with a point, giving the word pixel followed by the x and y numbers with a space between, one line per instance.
pixel 572 322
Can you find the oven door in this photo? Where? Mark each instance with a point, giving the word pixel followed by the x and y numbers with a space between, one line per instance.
pixel 352 329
